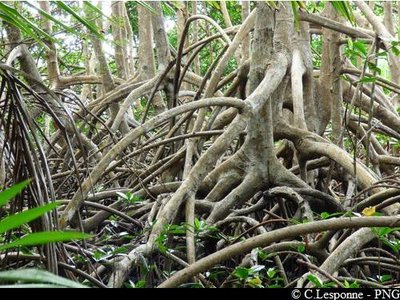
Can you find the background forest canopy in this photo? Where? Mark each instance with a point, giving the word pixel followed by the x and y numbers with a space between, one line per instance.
pixel 200 143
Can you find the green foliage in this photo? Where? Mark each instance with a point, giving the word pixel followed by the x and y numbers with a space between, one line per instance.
pixel 249 277
pixel 258 277
pixel 355 49
pixel 13 17
pixel 301 248
pixel 262 254
pixel 13 191
pixel 315 279
pixel 384 235
pixel 199 227
pixel 41 238
pixel 316 48
pixel 388 142
pixel 168 9
pixel 16 220
pixel 131 6
pixel 138 285
pixel 202 226
pixel 102 254
pixel 54 20
pixel 318 282
pixel 315 6
pixel 44 278
pixel 353 285
pixel 385 278
pixel 395 50
pixel 32 30
pixel 345 10
pixel 130 198
pixel 295 8
pixel 367 79
pixel 32 277
pixel 213 10
pixel 91 26
pixel 325 215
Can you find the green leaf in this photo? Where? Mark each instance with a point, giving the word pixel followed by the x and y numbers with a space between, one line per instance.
pixel 301 249
pixel 140 284
pixel 98 254
pixel 329 285
pixel 302 5
pixel 344 8
pixel 32 286
pixel 13 191
pixel 393 244
pixel 176 229
pixel 40 238
pixel 295 8
pixel 383 231
pixel 95 9
pixel 197 225
pixel 14 221
pixel 12 16
pixel 374 67
pixel 367 79
pixel 395 50
pixel 256 281
pixel 50 17
pixel 395 43
pixel 314 279
pixel 147 6
pixel 167 9
pixel 271 4
pixel 346 284
pixel 36 275
pixel 262 254
pixel 89 25
pixel 384 278
pixel 241 272
pixel 214 4
pixel 122 249
pixel 354 285
pixel 361 47
pixel 271 273
pixel 325 215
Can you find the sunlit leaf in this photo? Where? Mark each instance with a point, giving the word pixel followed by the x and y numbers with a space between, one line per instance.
pixel 368 211
pixel 214 4
pixel 314 279
pixel 255 281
